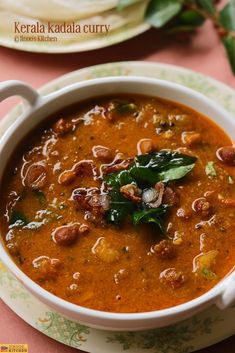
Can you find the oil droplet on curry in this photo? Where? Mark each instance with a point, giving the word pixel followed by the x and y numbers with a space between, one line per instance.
pixel 123 203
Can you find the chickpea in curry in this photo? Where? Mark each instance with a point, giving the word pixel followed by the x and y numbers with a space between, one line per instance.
pixel 122 203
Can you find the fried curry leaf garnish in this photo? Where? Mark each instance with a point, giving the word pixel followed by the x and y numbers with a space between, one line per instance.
pixel 119 210
pixel 161 166
pixel 18 219
pixel 149 176
pixel 145 171
pixel 164 159
pixel 120 206
pixel 119 179
pixel 151 215
pixel 175 173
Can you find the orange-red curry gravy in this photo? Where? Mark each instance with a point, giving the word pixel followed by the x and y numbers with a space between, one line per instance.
pixel 169 239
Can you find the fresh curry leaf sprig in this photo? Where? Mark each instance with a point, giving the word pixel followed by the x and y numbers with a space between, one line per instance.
pixel 145 171
pixel 187 15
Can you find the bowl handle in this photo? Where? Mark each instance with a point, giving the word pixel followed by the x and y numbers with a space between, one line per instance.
pixel 227 297
pixel 18 88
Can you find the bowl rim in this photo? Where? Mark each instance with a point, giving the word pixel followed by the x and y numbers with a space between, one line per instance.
pixel 208 297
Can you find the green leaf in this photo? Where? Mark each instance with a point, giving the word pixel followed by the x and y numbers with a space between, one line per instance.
pixel 207 5
pixel 18 219
pixel 175 173
pixel 227 16
pixel 122 4
pixel 119 179
pixel 227 20
pixel 190 18
pixel 164 159
pixel 144 175
pixel 186 21
pixel 120 206
pixel 160 12
pixel 229 44
pixel 210 169
pixel 152 215
pixel 146 214
pixel 146 170
pixel 162 165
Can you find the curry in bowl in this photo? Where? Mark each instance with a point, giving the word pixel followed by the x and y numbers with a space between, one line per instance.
pixel 123 203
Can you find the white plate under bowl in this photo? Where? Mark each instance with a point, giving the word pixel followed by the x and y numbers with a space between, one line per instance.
pixel 205 329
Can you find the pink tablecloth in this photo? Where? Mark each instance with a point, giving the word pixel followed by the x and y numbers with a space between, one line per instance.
pixel 203 53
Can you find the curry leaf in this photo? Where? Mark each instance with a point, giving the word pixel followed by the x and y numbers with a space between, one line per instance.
pixel 160 12
pixel 120 206
pixel 207 5
pixel 164 159
pixel 119 179
pixel 227 20
pixel 190 18
pixel 163 165
pixel 144 175
pixel 229 44
pixel 152 215
pixel 227 16
pixel 149 176
pixel 175 173
pixel 146 170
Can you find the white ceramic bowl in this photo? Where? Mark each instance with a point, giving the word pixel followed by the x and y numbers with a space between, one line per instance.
pixel 223 294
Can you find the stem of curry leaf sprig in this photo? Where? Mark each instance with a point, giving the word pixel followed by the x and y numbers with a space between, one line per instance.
pixel 187 15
